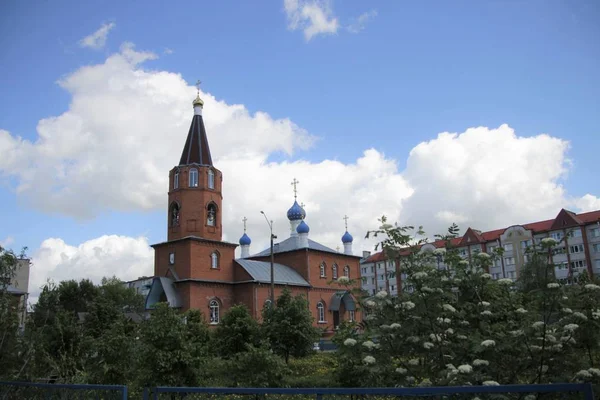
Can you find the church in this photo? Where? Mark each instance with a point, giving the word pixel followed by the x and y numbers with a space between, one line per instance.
pixel 196 269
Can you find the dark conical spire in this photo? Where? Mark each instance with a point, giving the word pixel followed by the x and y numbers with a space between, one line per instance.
pixel 196 150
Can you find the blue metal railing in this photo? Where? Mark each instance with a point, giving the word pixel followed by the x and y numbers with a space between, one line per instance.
pixel 583 389
pixel 48 391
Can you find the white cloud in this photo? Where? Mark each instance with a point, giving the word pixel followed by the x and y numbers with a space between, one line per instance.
pixel 361 22
pixel 125 128
pixel 587 203
pixel 125 257
pixel 7 241
pixel 313 17
pixel 97 40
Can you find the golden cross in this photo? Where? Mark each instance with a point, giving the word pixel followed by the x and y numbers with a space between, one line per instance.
pixel 198 82
pixel 294 183
pixel 244 221
pixel 346 220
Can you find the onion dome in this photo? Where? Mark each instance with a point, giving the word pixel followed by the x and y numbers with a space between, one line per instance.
pixel 296 212
pixel 347 238
pixel 302 228
pixel 245 240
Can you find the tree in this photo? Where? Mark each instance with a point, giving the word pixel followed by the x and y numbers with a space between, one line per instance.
pixel 288 326
pixel 236 332
pixel 9 315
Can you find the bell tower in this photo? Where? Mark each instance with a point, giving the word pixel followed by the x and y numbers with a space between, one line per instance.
pixel 195 185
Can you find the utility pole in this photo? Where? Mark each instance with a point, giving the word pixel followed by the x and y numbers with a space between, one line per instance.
pixel 270 223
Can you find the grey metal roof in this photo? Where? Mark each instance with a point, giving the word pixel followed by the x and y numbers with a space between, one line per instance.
pixel 13 290
pixel 290 244
pixel 260 271
pixel 338 297
pixel 160 286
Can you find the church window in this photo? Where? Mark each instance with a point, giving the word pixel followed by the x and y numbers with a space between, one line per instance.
pixel 176 180
pixel 334 271
pixel 214 260
pixel 267 303
pixel 174 214
pixel 214 311
pixel 352 316
pixel 211 215
pixel 193 177
pixel 211 179
pixel 347 271
pixel 321 311
pixel 322 270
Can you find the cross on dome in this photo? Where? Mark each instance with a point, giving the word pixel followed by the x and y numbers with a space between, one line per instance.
pixel 295 182
pixel 244 220
pixel 346 221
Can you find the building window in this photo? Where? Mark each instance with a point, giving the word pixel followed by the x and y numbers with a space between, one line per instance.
pixel 393 288
pixel 511 274
pixel 577 248
pixel 508 247
pixel 509 261
pixel 597 263
pixel 596 248
pixel 556 235
pixel 334 271
pixel 525 244
pixel 322 270
pixel 211 215
pixel 214 260
pixel 462 252
pixel 352 316
pixel 321 311
pixel 562 265
pixel 174 214
pixel 347 271
pixel 211 179
pixel 372 269
pixel 595 232
pixel 575 233
pixel 579 264
pixel 193 177
pixel 372 281
pixel 373 291
pixel 496 276
pixel 558 250
pixel 267 303
pixel 176 180
pixel 213 306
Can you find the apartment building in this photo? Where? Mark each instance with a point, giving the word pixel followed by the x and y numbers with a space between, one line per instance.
pixel 578 250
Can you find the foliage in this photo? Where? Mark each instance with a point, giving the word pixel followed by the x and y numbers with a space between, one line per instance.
pixel 255 367
pixel 236 332
pixel 288 326
pixel 317 370
pixel 456 326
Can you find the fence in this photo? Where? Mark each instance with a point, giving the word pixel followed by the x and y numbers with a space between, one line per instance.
pixel 49 391
pixel 558 391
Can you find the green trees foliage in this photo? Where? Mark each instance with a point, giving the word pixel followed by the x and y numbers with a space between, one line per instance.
pixel 236 332
pixel 9 314
pixel 288 326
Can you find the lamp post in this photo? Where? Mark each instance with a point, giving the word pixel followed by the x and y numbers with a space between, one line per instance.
pixel 270 223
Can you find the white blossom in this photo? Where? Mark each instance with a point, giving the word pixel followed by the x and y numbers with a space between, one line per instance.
pixel 518 332
pixel 349 342
pixel 410 379
pixel 567 310
pixel 461 337
pixel 382 294
pixel 530 397
pixel 485 304
pixel 343 279
pixel 395 325
pixel 596 314
pixel 449 331
pixel 553 285
pixel 537 324
pixel 413 339
pixel 413 361
pixel 565 298
pixel 425 382
pixel 488 343
pixel 463 262
pixel 435 338
pixel 571 327
pixel 521 310
pixel 369 344
pixel 444 279
pixel 583 374
pixel 464 323
pixel 591 286
pixel 535 347
pixel 505 281
pixel 465 369
pixel 490 383
pixel 401 370
pixel 594 371
pixel 427 289
pixel 580 315
pixel 428 345
pixel 557 347
pixel 483 256
pixel 449 308
pixel 369 360
pixel 370 303
pixel 486 313
pixel 486 275
pixel 439 252
pixel 568 339
pixel 479 363
pixel 408 305
pixel 420 275
pixel 549 242
pixel 457 280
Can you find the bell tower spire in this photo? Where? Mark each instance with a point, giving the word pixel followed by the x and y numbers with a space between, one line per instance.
pixel 195 185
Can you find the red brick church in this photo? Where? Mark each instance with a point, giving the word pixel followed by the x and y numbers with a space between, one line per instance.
pixel 195 268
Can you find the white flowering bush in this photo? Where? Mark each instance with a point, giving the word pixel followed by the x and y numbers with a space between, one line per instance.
pixel 456 326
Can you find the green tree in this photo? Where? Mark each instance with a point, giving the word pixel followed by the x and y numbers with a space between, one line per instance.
pixel 9 315
pixel 288 326
pixel 236 331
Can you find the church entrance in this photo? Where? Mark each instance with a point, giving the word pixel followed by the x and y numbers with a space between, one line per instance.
pixel 336 319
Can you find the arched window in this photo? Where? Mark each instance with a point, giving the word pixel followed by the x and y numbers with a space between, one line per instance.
pixel 321 311
pixel 334 271
pixel 267 303
pixel 214 260
pixel 347 271
pixel 174 214
pixel 193 177
pixel 211 215
pixel 352 316
pixel 176 180
pixel 213 307
pixel 322 268
pixel 211 179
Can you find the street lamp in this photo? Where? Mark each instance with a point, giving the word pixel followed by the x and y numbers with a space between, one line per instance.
pixel 270 223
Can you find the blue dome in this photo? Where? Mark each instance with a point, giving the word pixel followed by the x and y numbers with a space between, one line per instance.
pixel 302 228
pixel 245 240
pixel 296 212
pixel 347 238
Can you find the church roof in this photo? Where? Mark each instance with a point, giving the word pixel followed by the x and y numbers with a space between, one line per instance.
pixel 291 244
pixel 260 271
pixel 196 150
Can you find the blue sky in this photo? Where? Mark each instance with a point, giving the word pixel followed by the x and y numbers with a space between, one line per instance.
pixel 412 70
